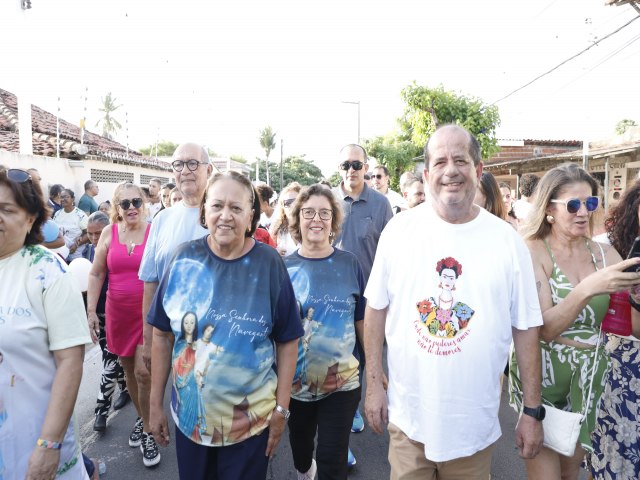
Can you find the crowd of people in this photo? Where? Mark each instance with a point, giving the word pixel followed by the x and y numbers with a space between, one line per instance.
pixel 261 308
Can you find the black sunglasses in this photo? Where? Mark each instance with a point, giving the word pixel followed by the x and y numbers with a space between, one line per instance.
pixel 125 204
pixel 192 165
pixel 573 204
pixel 356 165
pixel 18 176
pixel 378 176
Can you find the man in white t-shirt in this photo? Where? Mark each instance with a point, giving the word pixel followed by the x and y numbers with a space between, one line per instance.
pixel 451 285
pixel 380 183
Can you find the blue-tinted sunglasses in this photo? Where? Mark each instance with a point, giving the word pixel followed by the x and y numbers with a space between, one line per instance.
pixel 573 204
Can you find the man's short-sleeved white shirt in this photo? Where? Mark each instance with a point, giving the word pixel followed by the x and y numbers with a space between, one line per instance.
pixel 170 228
pixel 448 335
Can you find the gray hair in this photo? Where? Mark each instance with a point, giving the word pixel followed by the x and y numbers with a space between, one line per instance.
pixel 98 217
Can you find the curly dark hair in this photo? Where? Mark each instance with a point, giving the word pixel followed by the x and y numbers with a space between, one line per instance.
pixel 28 196
pixel 528 184
pixel 622 224
pixel 449 263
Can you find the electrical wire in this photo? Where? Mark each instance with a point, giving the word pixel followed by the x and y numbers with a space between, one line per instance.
pixel 567 60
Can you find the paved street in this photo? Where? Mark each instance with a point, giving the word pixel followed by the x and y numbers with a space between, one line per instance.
pixel 370 450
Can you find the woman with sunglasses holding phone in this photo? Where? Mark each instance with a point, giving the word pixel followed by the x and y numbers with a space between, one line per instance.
pixel 279 229
pixel 118 254
pixel 43 332
pixel 574 277
pixel 328 284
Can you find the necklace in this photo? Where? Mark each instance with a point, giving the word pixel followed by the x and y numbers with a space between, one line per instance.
pixel 129 245
pixel 444 301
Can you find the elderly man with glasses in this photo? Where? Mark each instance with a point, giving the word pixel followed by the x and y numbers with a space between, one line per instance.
pixel 173 226
pixel 366 212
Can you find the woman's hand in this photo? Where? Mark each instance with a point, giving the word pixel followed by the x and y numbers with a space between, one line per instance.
pixel 43 464
pixel 158 425
pixel 613 278
pixel 276 428
pixel 94 326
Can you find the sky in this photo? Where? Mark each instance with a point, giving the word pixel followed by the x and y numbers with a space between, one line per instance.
pixel 218 72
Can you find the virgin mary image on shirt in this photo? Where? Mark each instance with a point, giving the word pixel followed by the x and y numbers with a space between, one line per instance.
pixel 444 316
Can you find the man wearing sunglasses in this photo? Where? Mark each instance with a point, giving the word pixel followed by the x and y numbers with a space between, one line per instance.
pixel 366 212
pixel 450 287
pixel 380 182
pixel 175 225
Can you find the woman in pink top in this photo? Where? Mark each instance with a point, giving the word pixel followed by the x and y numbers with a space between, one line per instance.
pixel 119 253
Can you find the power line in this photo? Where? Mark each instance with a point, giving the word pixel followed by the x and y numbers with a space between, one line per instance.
pixel 567 60
pixel 605 59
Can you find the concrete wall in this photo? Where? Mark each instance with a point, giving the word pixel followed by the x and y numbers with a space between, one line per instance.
pixel 72 174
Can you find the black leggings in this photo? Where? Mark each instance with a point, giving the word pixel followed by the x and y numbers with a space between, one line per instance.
pixel 332 417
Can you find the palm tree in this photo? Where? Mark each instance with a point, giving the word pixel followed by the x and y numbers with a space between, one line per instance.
pixel 268 143
pixel 109 124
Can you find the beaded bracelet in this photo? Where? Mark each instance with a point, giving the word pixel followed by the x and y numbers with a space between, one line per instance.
pixel 49 444
pixel 634 304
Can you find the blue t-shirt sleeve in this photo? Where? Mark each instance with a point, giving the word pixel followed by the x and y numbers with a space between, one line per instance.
pixel 286 319
pixel 157 316
pixel 361 302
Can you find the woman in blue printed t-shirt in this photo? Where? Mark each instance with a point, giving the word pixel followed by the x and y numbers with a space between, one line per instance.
pixel 329 286
pixel 220 307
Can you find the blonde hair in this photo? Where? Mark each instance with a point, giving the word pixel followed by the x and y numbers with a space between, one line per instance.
pixel 556 180
pixel 281 222
pixel 114 216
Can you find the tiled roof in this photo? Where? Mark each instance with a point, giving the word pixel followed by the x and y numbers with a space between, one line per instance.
pixel 44 137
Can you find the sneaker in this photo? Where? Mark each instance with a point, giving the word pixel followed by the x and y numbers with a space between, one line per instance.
pixel 351 460
pixel 135 439
pixel 358 422
pixel 309 474
pixel 150 452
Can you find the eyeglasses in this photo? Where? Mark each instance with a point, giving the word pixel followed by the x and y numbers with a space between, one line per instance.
pixel 125 204
pixel 310 213
pixel 18 176
pixel 378 176
pixel 356 165
pixel 288 202
pixel 573 204
pixel 192 165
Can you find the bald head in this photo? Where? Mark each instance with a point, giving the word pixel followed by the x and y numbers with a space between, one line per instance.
pixel 191 149
pixel 446 130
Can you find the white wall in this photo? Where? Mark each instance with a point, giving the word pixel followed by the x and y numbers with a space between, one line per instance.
pixel 58 170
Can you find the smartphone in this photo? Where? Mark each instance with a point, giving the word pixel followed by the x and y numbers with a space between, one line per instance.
pixel 634 252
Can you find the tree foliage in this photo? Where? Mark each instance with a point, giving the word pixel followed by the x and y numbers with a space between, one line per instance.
pixel 165 149
pixel 335 179
pixel 238 158
pixel 267 140
pixel 396 153
pixel 427 108
pixel 623 125
pixel 296 168
pixel 109 124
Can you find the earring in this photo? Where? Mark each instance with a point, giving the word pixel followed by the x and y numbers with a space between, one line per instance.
pixel 550 219
pixel 331 234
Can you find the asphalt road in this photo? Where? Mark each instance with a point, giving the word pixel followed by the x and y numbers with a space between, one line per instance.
pixel 369 449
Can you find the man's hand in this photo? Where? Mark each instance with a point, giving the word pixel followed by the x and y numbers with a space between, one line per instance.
pixel 529 436
pixel 375 406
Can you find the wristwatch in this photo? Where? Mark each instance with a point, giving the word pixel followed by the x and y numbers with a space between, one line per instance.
pixel 538 413
pixel 283 411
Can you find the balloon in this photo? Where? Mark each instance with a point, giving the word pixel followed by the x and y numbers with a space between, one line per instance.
pixel 80 267
pixel 50 231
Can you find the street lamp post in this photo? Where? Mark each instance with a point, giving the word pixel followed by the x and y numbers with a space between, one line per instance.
pixel 358 104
